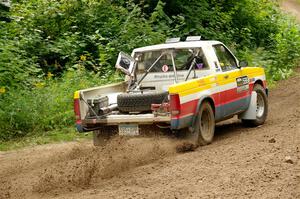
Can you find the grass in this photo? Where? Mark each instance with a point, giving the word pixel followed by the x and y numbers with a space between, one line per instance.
pixel 57 136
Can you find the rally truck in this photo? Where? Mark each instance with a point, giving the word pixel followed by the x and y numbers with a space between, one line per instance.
pixel 185 86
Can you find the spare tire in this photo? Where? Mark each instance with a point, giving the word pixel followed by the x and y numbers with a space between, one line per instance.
pixel 140 102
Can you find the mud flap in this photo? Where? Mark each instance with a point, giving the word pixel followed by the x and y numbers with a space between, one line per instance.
pixel 250 113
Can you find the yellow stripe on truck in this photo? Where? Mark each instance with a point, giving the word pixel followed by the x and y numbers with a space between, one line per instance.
pixel 195 90
pixel 198 85
pixel 76 95
pixel 191 85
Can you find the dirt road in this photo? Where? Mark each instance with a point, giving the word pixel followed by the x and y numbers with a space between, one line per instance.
pixel 260 162
pixel 292 7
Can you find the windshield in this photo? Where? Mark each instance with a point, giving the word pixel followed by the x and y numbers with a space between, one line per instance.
pixel 161 60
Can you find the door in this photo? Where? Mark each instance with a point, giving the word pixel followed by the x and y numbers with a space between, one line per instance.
pixel 234 87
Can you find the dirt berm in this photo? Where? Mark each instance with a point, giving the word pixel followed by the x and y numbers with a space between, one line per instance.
pixel 260 162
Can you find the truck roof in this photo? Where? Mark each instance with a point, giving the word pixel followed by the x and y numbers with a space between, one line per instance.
pixel 185 44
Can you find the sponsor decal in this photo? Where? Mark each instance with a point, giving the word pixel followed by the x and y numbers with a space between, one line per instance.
pixel 199 65
pixel 201 82
pixel 165 68
pixel 167 76
pixel 242 84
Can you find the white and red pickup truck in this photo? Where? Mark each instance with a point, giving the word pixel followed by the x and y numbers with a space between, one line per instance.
pixel 186 86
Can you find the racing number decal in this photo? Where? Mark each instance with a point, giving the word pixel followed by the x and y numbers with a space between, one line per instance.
pixel 242 84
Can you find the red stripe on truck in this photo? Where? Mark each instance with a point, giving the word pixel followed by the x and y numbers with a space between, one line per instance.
pixel 221 98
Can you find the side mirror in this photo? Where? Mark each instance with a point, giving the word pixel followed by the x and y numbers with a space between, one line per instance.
pixel 243 64
pixel 125 63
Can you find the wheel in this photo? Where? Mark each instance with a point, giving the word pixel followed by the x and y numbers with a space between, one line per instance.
pixel 139 102
pixel 102 135
pixel 203 130
pixel 261 107
pixel 205 124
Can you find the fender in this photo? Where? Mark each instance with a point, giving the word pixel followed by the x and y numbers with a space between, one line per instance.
pixel 250 113
pixel 203 98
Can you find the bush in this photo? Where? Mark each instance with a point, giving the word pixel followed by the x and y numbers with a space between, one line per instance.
pixel 47 106
pixel 54 34
pixel 286 54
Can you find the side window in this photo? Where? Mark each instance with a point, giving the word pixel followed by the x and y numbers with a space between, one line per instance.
pixel 182 58
pixel 226 59
pixel 200 61
pixel 185 59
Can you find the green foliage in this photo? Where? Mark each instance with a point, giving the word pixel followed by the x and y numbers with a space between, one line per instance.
pixel 56 33
pixel 286 54
pixel 47 106
pixel 50 36
pixel 47 43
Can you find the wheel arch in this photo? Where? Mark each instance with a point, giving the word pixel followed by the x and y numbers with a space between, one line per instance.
pixel 260 82
pixel 203 99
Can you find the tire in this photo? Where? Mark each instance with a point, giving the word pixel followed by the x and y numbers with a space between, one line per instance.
pixel 205 124
pixel 261 108
pixel 103 135
pixel 139 102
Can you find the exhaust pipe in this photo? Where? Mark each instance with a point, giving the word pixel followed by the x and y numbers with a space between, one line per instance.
pixel 108 109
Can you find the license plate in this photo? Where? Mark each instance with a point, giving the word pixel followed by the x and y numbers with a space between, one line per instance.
pixel 128 129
